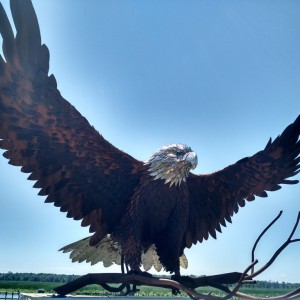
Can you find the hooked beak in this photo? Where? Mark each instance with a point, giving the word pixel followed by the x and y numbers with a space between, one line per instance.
pixel 191 157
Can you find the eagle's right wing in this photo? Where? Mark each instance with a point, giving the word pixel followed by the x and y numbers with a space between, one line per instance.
pixel 214 198
pixel 73 165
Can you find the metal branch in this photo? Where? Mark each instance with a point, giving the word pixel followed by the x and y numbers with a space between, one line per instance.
pixel 164 283
pixel 279 250
pixel 260 236
pixel 295 226
pixel 128 279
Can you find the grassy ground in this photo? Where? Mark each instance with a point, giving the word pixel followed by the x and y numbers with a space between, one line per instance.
pixel 32 287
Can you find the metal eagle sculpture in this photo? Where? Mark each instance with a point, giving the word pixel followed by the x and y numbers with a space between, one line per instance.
pixel 157 205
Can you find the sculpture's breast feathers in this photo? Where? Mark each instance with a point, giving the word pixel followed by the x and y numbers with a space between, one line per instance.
pixel 172 163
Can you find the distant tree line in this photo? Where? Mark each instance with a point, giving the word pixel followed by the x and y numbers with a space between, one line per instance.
pixel 272 285
pixel 39 277
pixel 61 278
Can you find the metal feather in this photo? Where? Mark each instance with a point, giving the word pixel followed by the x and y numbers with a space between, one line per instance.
pixel 108 252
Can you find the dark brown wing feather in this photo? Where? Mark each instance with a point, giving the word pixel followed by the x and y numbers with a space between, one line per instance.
pixel 216 197
pixel 73 165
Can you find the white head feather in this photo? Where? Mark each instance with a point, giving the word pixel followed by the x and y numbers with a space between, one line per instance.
pixel 172 163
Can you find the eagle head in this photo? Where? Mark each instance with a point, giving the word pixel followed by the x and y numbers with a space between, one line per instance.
pixel 172 163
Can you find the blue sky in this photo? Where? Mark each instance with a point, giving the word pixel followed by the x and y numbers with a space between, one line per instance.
pixel 220 76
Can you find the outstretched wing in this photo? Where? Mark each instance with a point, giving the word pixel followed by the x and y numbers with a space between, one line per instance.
pixel 216 197
pixel 72 164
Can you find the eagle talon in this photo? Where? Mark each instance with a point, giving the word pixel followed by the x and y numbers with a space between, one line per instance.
pixel 176 277
pixel 139 272
pixel 175 292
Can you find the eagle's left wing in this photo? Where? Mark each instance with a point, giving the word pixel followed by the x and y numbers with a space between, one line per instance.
pixel 73 165
pixel 214 198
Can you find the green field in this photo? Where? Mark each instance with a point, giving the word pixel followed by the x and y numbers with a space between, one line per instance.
pixel 31 287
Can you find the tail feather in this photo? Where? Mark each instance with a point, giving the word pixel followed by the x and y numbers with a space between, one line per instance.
pixel 108 252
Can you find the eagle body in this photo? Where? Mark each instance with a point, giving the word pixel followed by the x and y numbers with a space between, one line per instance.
pixel 156 214
pixel 145 211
